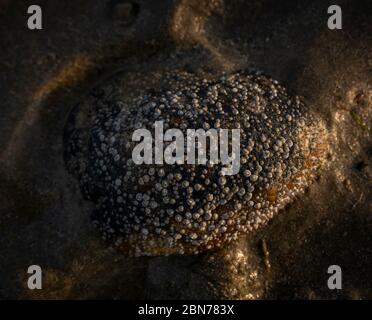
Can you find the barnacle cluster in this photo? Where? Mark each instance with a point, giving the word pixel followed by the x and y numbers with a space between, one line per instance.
pixel 160 209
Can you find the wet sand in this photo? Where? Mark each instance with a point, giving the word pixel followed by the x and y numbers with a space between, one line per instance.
pixel 43 217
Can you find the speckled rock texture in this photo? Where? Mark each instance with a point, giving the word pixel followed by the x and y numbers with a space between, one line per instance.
pixel 157 209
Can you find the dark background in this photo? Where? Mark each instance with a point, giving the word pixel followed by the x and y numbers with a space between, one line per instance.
pixel 43 73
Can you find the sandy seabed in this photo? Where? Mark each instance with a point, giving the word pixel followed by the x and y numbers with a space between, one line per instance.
pixel 43 217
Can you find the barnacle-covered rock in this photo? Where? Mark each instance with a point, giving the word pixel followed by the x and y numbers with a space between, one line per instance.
pixel 159 209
